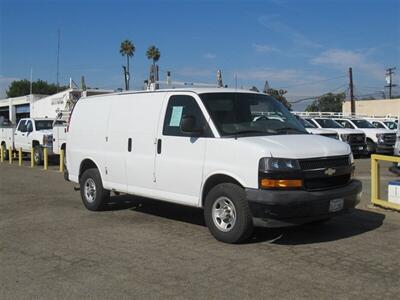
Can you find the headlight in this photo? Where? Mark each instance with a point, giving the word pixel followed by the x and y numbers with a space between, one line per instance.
pixel 380 138
pixel 351 158
pixel 268 164
pixel 344 137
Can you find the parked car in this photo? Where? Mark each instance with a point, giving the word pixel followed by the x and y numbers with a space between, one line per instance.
pixel 205 148
pixel 384 124
pixel 378 140
pixel 355 138
pixel 34 133
pixel 311 128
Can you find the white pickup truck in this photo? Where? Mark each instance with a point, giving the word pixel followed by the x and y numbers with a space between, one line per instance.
pixel 378 139
pixel 34 133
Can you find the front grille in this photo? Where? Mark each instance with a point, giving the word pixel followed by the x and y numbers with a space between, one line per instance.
pixel 323 163
pixel 325 183
pixel 356 138
pixel 389 139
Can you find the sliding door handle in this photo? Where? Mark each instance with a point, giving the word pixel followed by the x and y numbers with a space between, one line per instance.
pixel 129 144
pixel 159 146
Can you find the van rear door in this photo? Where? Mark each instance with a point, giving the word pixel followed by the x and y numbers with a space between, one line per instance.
pixel 180 157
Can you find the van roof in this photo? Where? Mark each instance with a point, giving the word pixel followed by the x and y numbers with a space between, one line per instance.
pixel 196 90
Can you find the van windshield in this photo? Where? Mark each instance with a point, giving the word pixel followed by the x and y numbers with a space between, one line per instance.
pixel 248 114
pixel 44 124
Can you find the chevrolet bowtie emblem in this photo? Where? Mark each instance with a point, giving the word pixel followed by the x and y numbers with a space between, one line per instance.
pixel 330 171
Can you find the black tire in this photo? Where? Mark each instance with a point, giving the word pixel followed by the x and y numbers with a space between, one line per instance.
pixel 38 155
pixel 371 147
pixel 97 199
pixel 5 152
pixel 232 195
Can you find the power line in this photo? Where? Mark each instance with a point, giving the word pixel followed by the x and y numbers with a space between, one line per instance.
pixel 311 82
pixel 317 97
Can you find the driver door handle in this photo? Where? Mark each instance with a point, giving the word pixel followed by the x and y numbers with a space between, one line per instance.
pixel 159 144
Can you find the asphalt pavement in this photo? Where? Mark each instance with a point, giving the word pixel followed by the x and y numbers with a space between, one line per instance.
pixel 51 247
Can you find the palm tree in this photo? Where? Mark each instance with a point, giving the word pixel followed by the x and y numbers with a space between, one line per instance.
pixel 127 48
pixel 153 53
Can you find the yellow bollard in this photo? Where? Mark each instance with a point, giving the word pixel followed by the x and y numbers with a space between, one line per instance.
pixel 62 160
pixel 15 155
pixel 10 155
pixel 20 156
pixel 32 159
pixel 1 154
pixel 45 159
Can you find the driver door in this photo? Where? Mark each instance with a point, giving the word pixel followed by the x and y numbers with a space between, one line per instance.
pixel 180 157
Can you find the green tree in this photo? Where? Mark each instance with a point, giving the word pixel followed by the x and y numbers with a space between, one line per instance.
pixel 153 53
pixel 328 102
pixel 127 48
pixel 19 88
pixel 280 96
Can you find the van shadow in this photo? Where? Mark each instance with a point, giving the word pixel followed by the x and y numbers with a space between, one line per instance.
pixel 354 223
pixel 157 208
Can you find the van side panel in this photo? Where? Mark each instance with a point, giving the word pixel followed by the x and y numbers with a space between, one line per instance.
pixel 144 115
pixel 87 134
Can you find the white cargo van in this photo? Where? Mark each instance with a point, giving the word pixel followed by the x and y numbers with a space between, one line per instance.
pixel 208 148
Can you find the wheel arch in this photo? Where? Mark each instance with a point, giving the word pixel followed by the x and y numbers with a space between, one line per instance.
pixel 86 164
pixel 35 143
pixel 215 179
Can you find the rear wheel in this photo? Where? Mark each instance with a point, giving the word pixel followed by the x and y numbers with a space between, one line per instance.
pixel 93 195
pixel 227 213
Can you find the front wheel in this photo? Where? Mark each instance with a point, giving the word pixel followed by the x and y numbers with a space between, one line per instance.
pixel 93 195
pixel 38 155
pixel 371 147
pixel 5 151
pixel 227 213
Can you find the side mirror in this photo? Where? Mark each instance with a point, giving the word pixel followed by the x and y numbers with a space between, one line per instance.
pixel 188 125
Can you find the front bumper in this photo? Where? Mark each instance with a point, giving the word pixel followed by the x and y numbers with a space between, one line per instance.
pixel 277 208
pixel 382 148
pixel 358 149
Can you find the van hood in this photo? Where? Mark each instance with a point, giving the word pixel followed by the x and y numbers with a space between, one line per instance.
pixel 376 130
pixel 348 131
pixel 296 146
pixel 320 131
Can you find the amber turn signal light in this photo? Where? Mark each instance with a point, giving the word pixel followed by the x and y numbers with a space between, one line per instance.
pixel 281 183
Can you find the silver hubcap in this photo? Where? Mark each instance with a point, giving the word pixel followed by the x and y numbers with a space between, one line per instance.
pixel 224 214
pixel 37 156
pixel 90 190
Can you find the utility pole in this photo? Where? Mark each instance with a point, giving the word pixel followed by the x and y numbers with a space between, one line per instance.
pixel 351 89
pixel 58 60
pixel 389 80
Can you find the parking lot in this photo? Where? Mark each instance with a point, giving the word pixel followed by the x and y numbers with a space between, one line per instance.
pixel 52 247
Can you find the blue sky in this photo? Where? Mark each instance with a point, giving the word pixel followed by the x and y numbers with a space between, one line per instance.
pixel 297 45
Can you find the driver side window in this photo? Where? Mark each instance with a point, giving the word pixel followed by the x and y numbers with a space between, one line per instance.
pixel 22 126
pixel 29 127
pixel 179 106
